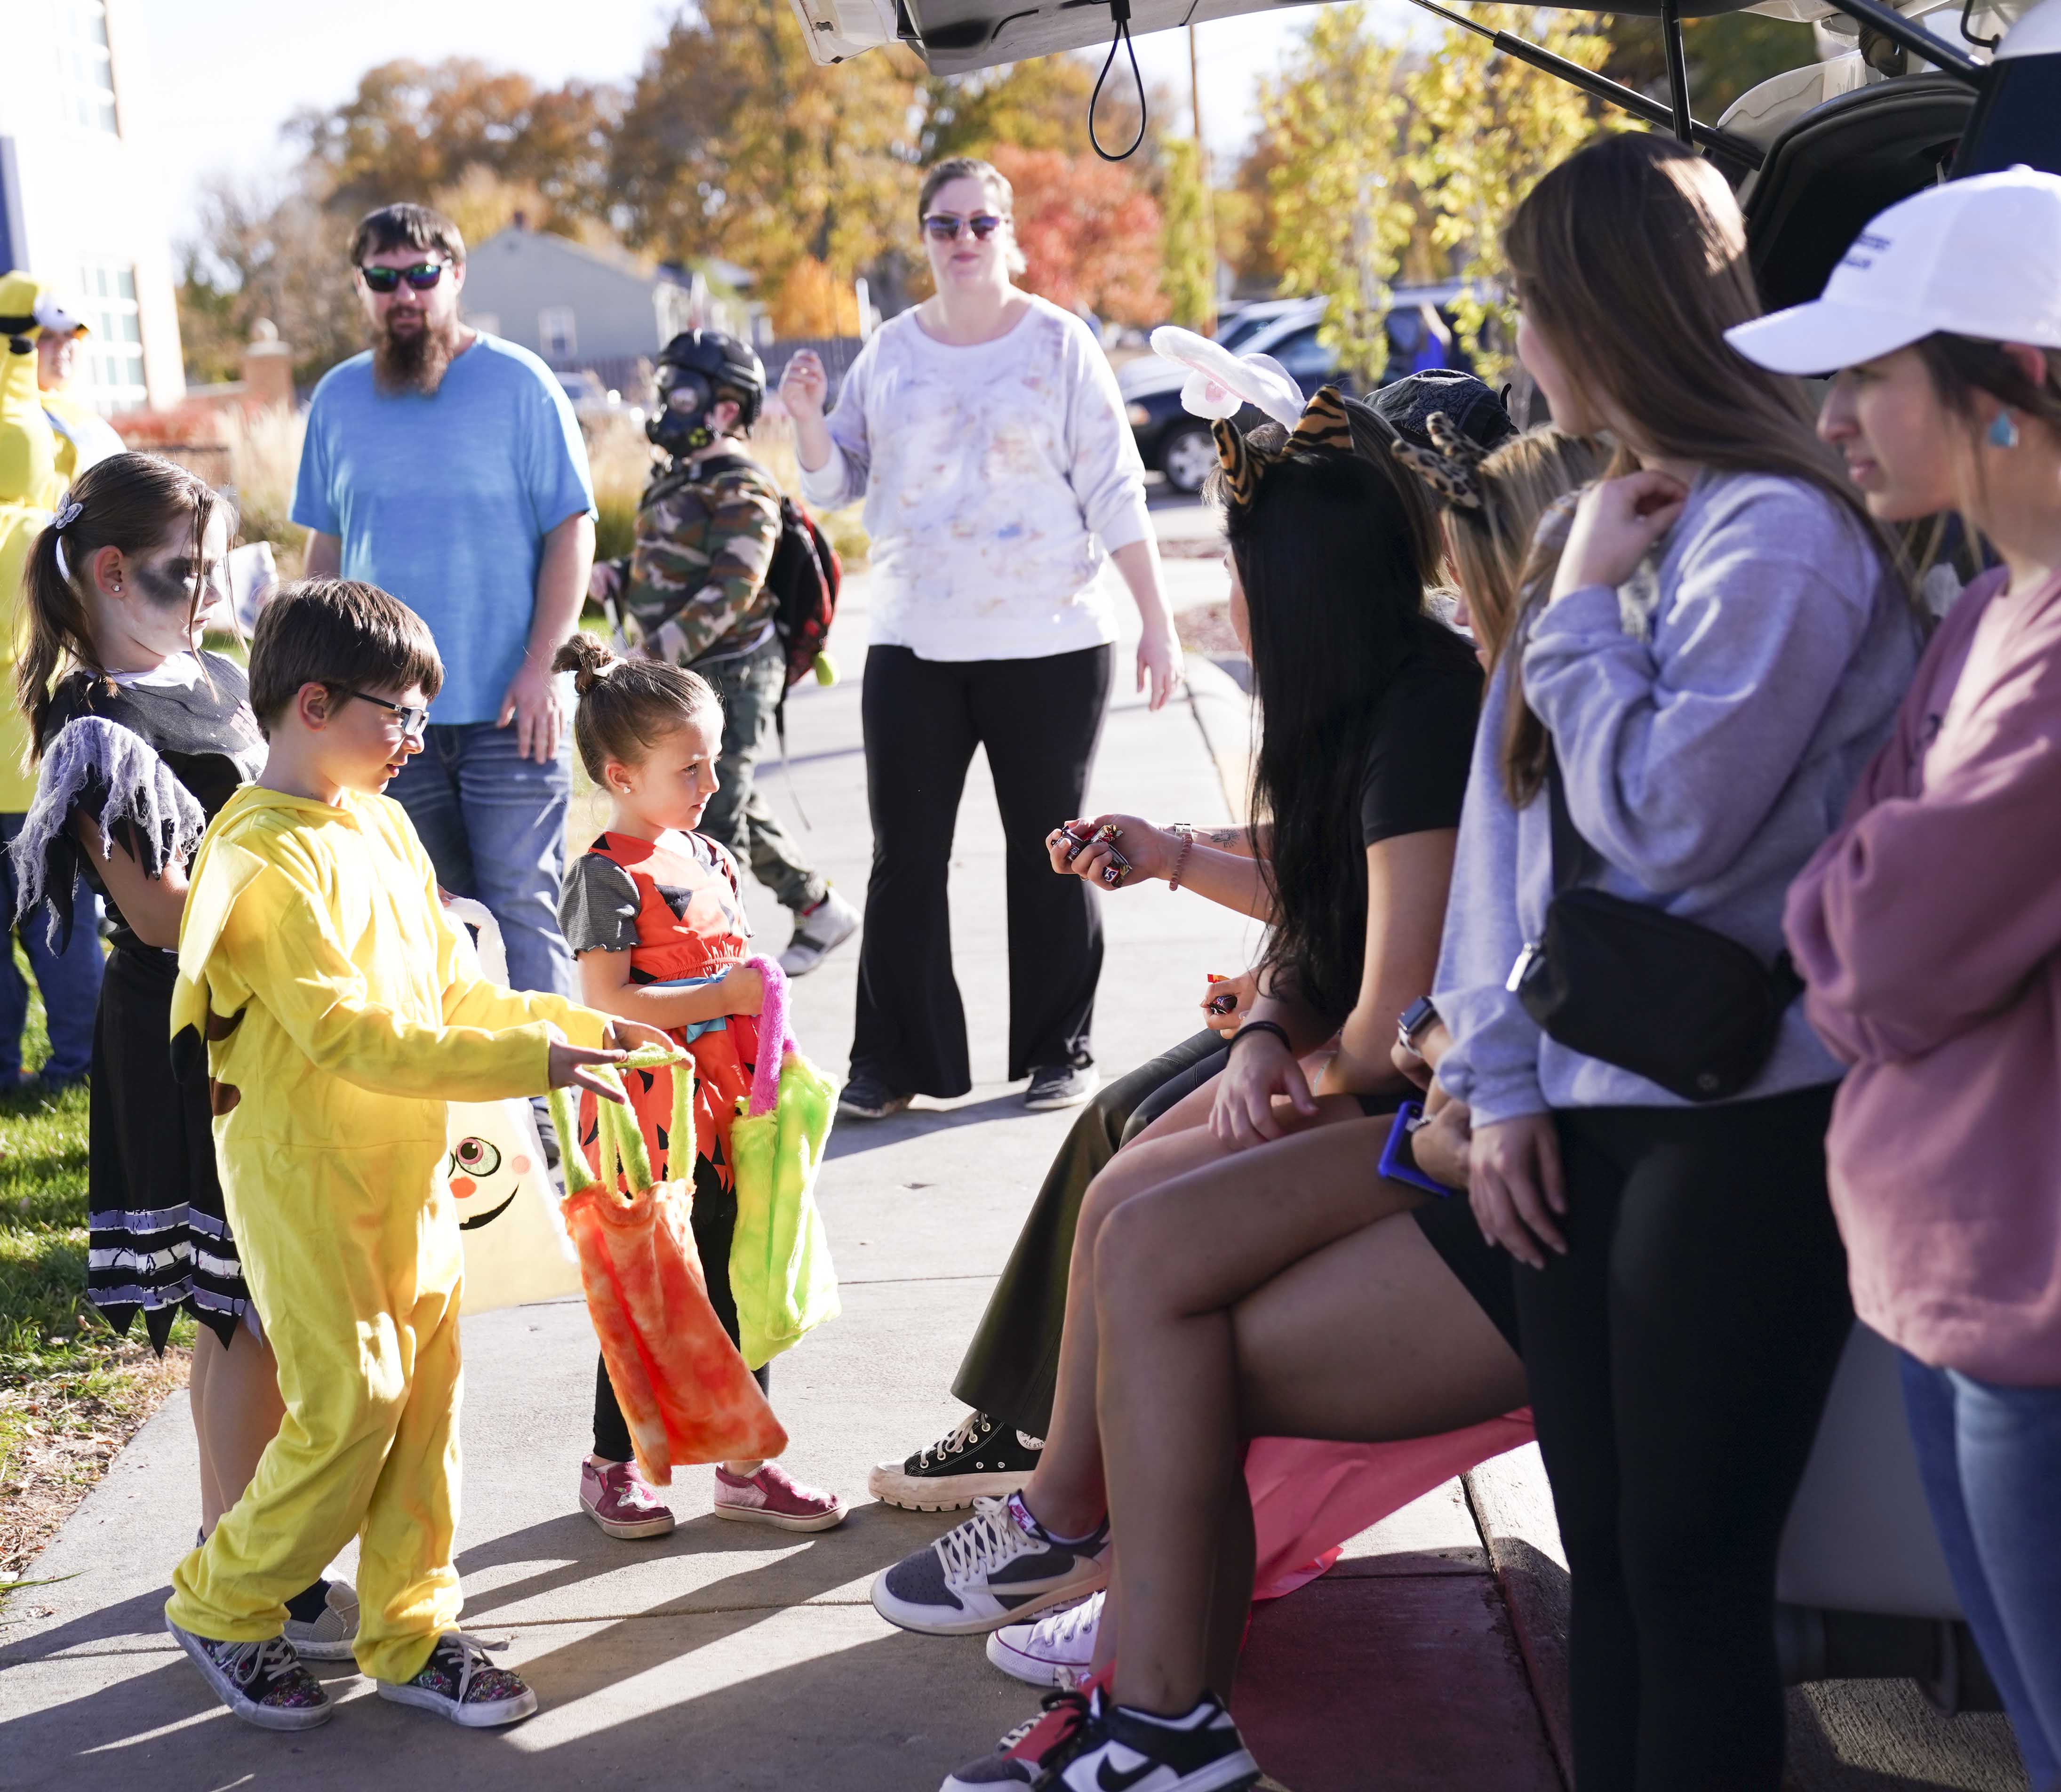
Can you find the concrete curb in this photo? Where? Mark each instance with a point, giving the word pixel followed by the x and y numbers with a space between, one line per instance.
pixel 1512 1505
pixel 1223 712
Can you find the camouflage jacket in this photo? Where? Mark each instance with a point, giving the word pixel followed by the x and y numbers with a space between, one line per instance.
pixel 697 577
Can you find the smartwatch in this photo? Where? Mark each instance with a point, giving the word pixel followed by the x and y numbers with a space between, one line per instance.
pixel 1413 1020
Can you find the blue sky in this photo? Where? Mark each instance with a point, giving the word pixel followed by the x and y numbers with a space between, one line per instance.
pixel 227 73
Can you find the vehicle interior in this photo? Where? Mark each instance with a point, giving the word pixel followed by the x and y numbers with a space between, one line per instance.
pixel 1923 96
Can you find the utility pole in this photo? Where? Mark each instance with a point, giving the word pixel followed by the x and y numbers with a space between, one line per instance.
pixel 1203 174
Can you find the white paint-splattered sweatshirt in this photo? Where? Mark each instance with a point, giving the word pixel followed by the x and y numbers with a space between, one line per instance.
pixel 989 472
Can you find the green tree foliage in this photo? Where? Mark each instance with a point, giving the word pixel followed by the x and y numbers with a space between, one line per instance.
pixel 1188 258
pixel 1041 104
pixel 1342 220
pixel 1483 128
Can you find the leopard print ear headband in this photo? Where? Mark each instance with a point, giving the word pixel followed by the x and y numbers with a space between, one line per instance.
pixel 1323 424
pixel 1450 466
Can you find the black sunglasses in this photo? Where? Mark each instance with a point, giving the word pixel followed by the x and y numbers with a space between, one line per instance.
pixel 414 723
pixel 944 227
pixel 422 276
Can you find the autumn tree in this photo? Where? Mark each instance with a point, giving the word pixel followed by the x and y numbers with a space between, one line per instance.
pixel 734 143
pixel 1039 105
pixel 1341 216
pixel 1090 232
pixel 1188 272
pixel 1483 128
pixel 1727 55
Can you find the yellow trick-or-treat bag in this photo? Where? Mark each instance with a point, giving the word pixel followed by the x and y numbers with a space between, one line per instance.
pixel 781 1275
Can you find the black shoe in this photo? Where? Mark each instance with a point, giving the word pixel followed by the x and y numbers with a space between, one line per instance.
pixel 975 1458
pixel 1117 1747
pixel 867 1097
pixel 1062 1085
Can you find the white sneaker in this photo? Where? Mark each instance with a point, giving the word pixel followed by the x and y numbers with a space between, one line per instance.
pixel 1000 1566
pixel 329 1635
pixel 1055 1651
pixel 818 932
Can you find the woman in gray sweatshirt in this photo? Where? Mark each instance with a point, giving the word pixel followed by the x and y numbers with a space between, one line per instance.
pixel 1722 649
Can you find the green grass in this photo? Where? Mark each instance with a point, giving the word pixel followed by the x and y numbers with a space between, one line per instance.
pixel 71 1392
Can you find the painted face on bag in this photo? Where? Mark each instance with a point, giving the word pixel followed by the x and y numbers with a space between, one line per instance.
pixel 483 1181
pixel 669 787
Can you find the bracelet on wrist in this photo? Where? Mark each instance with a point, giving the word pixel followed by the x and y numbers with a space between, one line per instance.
pixel 1186 834
pixel 1278 1031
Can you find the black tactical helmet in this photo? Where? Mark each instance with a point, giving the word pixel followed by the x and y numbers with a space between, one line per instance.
pixel 694 369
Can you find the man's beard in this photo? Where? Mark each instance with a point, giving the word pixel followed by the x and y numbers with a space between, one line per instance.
pixel 414 361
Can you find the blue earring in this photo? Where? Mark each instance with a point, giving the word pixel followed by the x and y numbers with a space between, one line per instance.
pixel 2003 430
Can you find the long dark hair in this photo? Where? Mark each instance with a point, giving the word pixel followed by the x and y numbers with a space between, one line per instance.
pixel 1334 566
pixel 129 501
pixel 1631 257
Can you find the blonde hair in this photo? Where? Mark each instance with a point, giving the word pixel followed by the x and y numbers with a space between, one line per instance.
pixel 1490 543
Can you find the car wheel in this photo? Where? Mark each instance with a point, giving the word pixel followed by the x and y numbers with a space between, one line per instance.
pixel 1187 460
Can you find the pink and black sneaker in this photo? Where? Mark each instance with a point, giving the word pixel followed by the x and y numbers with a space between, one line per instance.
pixel 621 1502
pixel 263 1683
pixel 773 1497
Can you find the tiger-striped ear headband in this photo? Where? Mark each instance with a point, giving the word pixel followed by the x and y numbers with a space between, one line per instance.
pixel 1450 466
pixel 1323 424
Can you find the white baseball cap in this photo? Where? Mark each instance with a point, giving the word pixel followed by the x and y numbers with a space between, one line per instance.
pixel 59 318
pixel 1979 257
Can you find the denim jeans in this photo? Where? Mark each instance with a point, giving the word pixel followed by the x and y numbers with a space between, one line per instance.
pixel 738 815
pixel 494 824
pixel 70 980
pixel 1991 1459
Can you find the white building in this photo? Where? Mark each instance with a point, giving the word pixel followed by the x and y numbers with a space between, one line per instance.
pixel 81 203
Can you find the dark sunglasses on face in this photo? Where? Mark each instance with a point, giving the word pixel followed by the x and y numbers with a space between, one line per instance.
pixel 422 276
pixel 414 723
pixel 943 227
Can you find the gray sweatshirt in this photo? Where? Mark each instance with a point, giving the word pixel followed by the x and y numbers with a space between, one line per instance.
pixel 1711 718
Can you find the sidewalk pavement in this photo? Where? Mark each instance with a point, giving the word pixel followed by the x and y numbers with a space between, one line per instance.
pixel 725 1657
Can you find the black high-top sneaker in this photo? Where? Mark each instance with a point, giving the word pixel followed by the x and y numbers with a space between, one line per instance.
pixel 977 1457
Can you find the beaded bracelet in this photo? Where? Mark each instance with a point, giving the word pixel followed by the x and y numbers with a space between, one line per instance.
pixel 1187 836
pixel 1280 1033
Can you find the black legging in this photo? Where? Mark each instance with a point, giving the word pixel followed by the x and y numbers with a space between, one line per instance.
pixel 1012 1366
pixel 1678 1357
pixel 1039 720
pixel 714 1221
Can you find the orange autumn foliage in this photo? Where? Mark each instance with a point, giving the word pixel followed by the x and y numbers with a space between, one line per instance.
pixel 1090 232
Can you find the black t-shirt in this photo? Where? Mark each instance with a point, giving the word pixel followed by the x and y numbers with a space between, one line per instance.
pixel 1415 775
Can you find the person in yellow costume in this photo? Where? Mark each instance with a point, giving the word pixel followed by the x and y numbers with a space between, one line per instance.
pixel 83 436
pixel 341 1009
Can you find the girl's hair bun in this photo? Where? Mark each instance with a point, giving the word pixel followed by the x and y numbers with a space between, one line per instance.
pixel 586 659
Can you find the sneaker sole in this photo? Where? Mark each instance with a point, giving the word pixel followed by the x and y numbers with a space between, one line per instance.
pixel 919 1618
pixel 1029 1669
pixel 630 1530
pixel 850 1112
pixel 891 1484
pixel 780 1521
pixel 261 1716
pixel 1046 1104
pixel 343 1651
pixel 469 1716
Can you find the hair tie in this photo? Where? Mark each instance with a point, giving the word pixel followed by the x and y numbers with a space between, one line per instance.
pixel 67 514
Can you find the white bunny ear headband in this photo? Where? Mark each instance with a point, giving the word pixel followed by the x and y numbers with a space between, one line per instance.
pixel 1221 384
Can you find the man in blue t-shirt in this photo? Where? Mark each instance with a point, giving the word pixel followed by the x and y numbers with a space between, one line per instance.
pixel 445 465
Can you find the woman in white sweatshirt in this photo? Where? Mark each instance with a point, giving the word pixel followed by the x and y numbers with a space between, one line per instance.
pixel 985 431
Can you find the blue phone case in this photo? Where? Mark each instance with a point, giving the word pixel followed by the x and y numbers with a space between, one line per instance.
pixel 1403 1168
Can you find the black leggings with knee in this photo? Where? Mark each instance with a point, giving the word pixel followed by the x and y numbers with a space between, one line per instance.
pixel 1678 1357
pixel 714 1221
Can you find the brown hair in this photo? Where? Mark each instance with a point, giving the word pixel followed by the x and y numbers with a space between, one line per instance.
pixel 626 705
pixel 343 634
pixel 1490 542
pixel 1630 256
pixel 971 168
pixel 406 226
pixel 134 503
pixel 1960 367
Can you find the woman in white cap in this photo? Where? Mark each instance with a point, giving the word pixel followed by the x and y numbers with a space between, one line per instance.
pixel 1943 992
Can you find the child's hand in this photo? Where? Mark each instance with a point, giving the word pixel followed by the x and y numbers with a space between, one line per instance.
pixel 742 990
pixel 628 1035
pixel 568 1067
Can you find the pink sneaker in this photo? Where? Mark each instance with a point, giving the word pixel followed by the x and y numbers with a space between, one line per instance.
pixel 773 1497
pixel 621 1502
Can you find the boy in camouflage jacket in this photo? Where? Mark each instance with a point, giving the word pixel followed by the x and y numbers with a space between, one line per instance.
pixel 693 590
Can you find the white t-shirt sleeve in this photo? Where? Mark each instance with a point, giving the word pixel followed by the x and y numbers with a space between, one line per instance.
pixel 1106 473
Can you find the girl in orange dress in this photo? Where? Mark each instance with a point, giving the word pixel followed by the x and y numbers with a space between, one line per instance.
pixel 652 913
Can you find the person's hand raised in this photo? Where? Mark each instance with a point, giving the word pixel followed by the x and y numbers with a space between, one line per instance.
pixel 1615 525
pixel 804 386
pixel 1080 847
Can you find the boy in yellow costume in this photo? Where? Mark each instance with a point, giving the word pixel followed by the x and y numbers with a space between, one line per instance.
pixel 341 1009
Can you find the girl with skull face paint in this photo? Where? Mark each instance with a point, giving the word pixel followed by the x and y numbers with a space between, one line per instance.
pixel 140 737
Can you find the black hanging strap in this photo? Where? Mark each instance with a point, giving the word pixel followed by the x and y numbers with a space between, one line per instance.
pixel 1119 10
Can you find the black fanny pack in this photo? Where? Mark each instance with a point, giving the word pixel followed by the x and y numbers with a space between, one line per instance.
pixel 1665 998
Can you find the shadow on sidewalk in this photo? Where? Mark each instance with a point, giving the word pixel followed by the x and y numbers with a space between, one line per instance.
pixel 849 1138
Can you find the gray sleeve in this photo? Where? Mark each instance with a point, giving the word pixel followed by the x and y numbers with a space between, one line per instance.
pixel 598 913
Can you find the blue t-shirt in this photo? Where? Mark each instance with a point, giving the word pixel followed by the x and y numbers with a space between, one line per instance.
pixel 446 501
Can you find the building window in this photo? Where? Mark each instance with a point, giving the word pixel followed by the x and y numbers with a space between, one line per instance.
pixel 113 351
pixel 86 68
pixel 556 338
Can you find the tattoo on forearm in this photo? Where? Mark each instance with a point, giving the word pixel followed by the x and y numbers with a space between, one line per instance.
pixel 1229 839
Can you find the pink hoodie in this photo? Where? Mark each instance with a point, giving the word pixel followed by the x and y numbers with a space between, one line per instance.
pixel 1929 928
